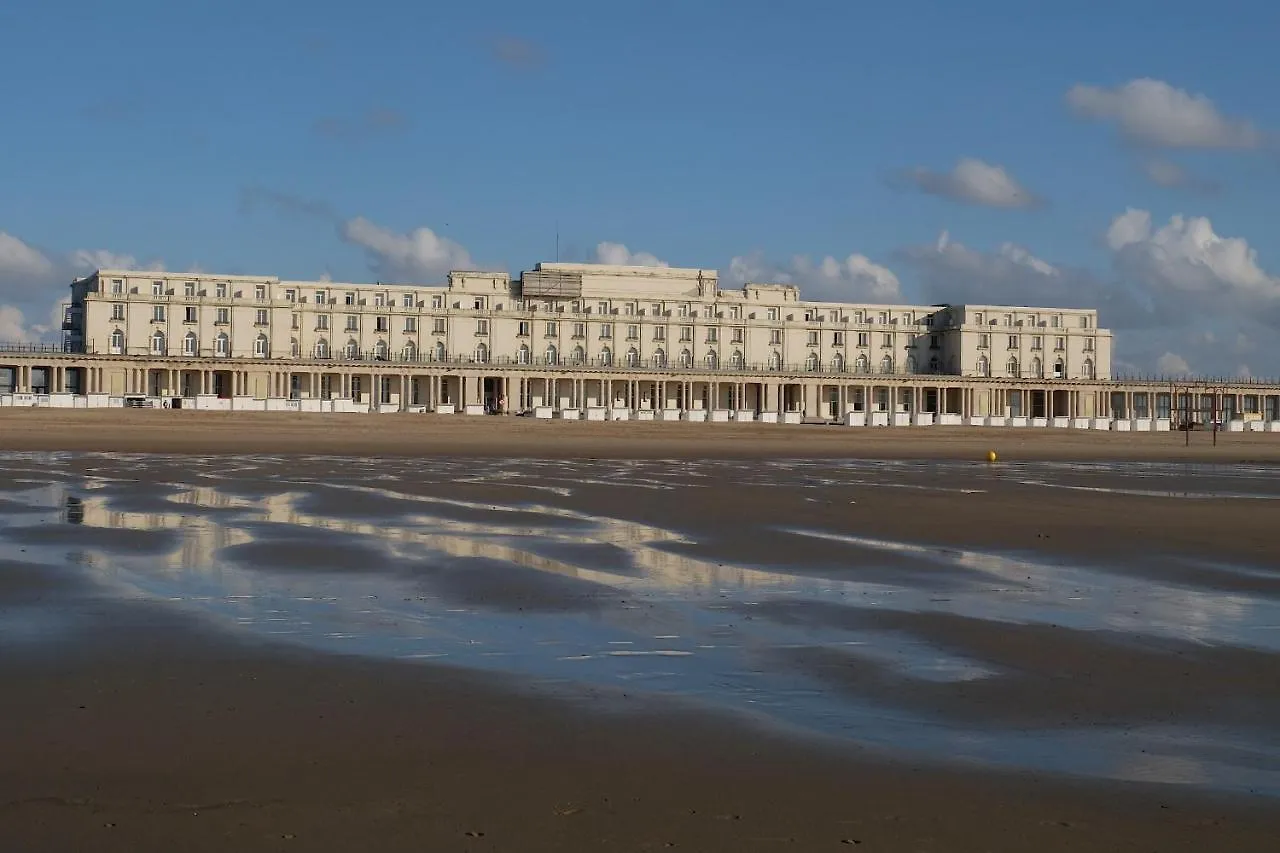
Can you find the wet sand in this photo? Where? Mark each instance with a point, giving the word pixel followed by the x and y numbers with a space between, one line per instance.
pixel 177 431
pixel 1103 600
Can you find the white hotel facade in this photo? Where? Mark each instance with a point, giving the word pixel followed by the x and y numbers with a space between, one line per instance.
pixel 580 341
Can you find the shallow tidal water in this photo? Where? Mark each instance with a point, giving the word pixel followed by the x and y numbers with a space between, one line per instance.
pixel 384 559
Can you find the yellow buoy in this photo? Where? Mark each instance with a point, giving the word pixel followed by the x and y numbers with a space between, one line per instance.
pixel 991 456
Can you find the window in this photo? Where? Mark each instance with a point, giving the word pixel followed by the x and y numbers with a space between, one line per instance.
pixel 349 298
pixel 1088 344
pixel 735 312
pixel 862 365
pixel 606 330
pixel 984 341
pixel 738 335
pixel 482 352
pixel 157 313
pixel 984 366
pixel 189 288
pixel 736 360
pixel 606 357
pixel 837 339
pixel 579 355
pixel 633 357
pixel 261 319
pixel 886 365
pixel 322 348
pixel 686 358
pixel 157 343
pixel 1013 342
pixel 811 361
pixel 552 329
pixel 117 342
pixel 478 303
pixel 813 339
pixel 259 291
pixel 189 344
pixel 117 312
pixel 291 296
pixel 633 333
pixel 1037 370
pixel 775 360
pixel 441 354
pixel 655 309
pixel 631 309
pixel 294 349
pixel 1084 322
pixel 438 326
pixel 482 327
pixel 773 315
pixel 686 333
pixel 659 358
pixel 157 288
pixel 260 346
pixel 1012 367
pixel 553 354
pixel 837 362
pixel 379 299
pixel 353 323
pixel 859 317
pixel 1058 368
pixel 410 325
pixel 711 360
pixel 223 316
pixel 603 307
pixel 352 349
pixel 382 324
pixel 933 342
pixel 579 330
pixel 1088 368
pixel 684 309
pixel 659 333
pixel 887 340
pixel 713 335
pixel 1059 344
pixel 189 315
pixel 220 290
pixel 775 336
pixel 406 300
pixel 380 350
pixel 522 354
pixel 437 302
pixel 1036 342
pixel 222 344
pixel 117 285
pixel 977 318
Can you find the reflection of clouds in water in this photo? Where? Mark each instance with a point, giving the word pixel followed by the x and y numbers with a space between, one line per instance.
pixel 678 623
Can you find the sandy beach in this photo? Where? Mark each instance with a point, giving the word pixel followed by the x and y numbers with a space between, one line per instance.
pixel 407 633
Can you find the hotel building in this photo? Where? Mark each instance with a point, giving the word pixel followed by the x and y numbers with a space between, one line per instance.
pixel 580 341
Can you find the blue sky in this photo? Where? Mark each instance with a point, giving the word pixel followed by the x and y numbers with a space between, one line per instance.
pixel 249 137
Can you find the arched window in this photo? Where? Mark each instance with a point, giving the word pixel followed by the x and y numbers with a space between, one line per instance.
pixel 1088 368
pixel 410 351
pixel 984 366
pixel 633 357
pixel 775 360
pixel 1058 369
pixel 736 361
pixel 811 361
pixel 482 353
pixel 606 357
pixel 189 345
pixel 553 354
pixel 934 364
pixel 294 348
pixel 911 364
pixel 522 354
pixel 353 349
pixel 322 348
pixel 1012 367
pixel 579 355
pixel 660 358
pixel 1036 369
pixel 380 350
pixel 886 364
pixel 260 346
pixel 441 353
pixel 686 358
pixel 862 365
pixel 222 344
pixel 157 343
pixel 117 341
pixel 837 362
pixel 712 360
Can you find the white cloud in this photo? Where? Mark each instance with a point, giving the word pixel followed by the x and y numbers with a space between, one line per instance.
pixel 13 326
pixel 1172 364
pixel 974 182
pixel 17 259
pixel 1154 113
pixel 619 255
pixel 419 254
pixel 856 278
pixel 1187 257
pixel 88 260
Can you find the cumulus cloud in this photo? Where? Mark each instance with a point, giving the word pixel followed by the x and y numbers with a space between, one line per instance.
pixel 18 259
pixel 619 255
pixel 856 278
pixel 1172 364
pixel 974 182
pixel 417 254
pixel 1152 112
